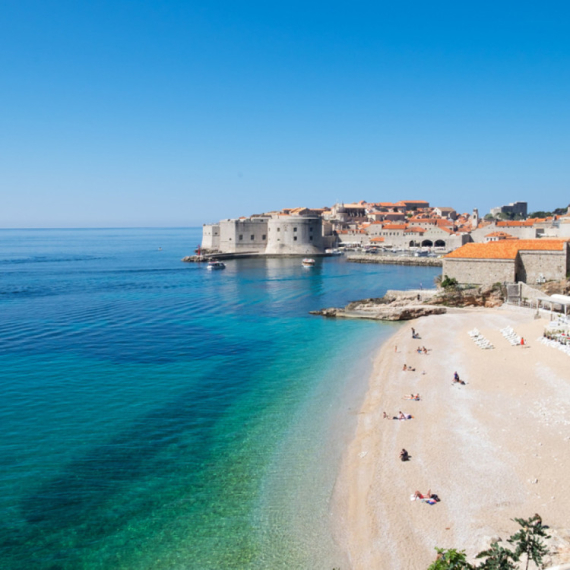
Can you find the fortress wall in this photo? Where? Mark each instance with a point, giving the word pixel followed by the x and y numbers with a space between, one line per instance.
pixel 480 271
pixel 211 236
pixel 550 265
pixel 243 236
pixel 295 235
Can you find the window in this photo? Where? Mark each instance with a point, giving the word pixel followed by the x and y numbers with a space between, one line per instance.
pixel 252 236
pixel 311 238
pixel 263 237
pixel 278 229
pixel 295 238
pixel 240 237
pixel 310 228
pixel 294 229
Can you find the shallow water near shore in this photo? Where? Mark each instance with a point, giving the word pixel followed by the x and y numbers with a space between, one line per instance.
pixel 158 415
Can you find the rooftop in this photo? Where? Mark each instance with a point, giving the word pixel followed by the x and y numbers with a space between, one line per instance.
pixel 505 249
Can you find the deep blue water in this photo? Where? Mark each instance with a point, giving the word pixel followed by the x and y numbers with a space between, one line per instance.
pixel 158 415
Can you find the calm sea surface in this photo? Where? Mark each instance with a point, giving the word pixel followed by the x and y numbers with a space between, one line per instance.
pixel 156 415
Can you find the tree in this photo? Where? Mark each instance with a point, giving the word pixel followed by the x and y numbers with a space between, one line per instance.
pixel 451 559
pixel 498 558
pixel 528 541
pixel 540 214
pixel 449 282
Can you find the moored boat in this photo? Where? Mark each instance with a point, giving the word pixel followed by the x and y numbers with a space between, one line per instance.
pixel 308 262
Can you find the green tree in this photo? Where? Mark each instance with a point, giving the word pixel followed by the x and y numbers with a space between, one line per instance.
pixel 540 214
pixel 497 558
pixel 451 559
pixel 449 282
pixel 527 540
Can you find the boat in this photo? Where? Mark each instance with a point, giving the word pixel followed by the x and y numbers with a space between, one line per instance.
pixel 308 262
pixel 213 264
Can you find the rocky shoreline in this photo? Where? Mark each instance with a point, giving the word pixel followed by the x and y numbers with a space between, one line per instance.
pixel 407 305
pixel 391 307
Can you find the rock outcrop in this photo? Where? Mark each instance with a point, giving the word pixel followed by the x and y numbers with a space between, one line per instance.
pixel 557 287
pixel 388 308
pixel 486 296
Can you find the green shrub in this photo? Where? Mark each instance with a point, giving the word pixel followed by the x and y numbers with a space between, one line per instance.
pixel 449 282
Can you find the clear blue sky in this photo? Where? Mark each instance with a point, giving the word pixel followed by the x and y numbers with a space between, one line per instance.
pixel 178 112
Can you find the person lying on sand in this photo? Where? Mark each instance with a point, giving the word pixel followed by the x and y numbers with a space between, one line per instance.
pixel 410 369
pixel 386 416
pixel 415 397
pixel 402 416
pixel 429 497
pixel 405 368
pixel 404 455
pixel 425 350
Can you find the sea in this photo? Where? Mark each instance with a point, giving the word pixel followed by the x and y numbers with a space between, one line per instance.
pixel 157 415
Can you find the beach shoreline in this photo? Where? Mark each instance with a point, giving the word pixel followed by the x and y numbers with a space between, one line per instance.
pixel 493 449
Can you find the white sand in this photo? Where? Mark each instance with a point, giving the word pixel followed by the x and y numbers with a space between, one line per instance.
pixel 480 447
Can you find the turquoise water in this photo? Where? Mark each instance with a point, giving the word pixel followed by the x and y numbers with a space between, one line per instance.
pixel 158 415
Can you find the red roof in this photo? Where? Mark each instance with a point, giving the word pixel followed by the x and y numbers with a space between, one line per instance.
pixel 505 249
pixel 395 226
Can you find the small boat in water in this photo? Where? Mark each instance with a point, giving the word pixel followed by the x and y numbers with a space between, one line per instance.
pixel 213 264
pixel 308 262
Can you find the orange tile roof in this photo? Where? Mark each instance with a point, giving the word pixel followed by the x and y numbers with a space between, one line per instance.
pixel 505 249
pixel 516 224
pixel 377 239
pixel 416 230
pixel 503 235
pixel 395 226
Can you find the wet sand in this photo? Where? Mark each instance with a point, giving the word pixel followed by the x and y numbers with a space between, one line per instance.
pixel 494 449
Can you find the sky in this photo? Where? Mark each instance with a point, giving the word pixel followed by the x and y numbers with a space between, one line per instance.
pixel 177 113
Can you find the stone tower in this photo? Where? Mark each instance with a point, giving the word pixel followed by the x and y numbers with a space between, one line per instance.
pixel 475 218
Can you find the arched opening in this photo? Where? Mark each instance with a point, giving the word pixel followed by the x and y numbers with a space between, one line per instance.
pixel 414 244
pixel 427 243
pixel 439 243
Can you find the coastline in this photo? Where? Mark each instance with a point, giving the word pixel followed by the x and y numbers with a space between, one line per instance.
pixel 480 447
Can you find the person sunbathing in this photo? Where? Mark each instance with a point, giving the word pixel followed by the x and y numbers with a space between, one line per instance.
pixel 429 497
pixel 425 350
pixel 404 455
pixel 402 416
pixel 415 397
pixel 386 416
pixel 405 368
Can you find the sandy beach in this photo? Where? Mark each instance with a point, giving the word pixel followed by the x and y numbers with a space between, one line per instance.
pixel 493 449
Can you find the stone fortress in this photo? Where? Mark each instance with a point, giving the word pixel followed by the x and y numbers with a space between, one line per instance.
pixel 269 235
pixel 478 250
